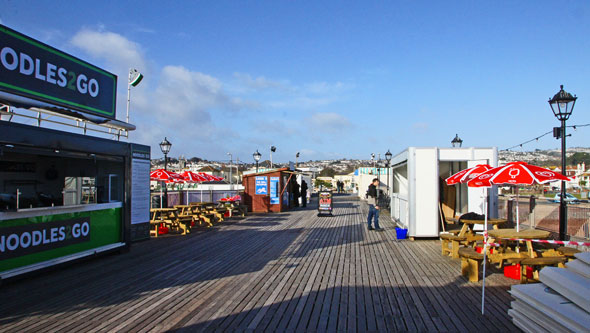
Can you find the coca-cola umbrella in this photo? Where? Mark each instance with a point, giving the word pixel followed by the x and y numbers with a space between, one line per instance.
pixel 192 177
pixel 164 176
pixel 514 173
pixel 210 178
pixel 466 175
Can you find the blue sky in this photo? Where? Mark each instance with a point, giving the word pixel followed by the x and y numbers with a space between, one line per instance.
pixel 330 79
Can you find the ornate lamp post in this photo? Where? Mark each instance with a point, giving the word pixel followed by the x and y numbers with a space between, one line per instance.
pixel 562 105
pixel 257 157
pixel 165 148
pixel 457 142
pixel 388 156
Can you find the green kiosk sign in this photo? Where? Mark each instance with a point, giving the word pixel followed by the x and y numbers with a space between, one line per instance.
pixel 32 69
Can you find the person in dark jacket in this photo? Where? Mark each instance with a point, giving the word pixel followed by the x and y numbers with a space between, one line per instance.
pixel 296 193
pixel 303 193
pixel 373 200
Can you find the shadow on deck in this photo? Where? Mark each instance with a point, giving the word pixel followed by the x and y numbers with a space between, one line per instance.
pixel 285 271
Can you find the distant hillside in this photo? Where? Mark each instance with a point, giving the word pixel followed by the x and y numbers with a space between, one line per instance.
pixel 550 157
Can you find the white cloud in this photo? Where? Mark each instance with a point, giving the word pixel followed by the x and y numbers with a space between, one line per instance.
pixel 420 126
pixel 323 88
pixel 329 121
pixel 333 124
pixel 260 82
pixel 118 51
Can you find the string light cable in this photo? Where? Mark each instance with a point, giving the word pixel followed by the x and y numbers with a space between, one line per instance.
pixel 575 127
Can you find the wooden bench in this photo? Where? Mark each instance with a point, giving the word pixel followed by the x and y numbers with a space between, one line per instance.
pixel 536 264
pixel 155 227
pixel 201 214
pixel 568 252
pixel 470 261
pixel 455 241
pixel 183 223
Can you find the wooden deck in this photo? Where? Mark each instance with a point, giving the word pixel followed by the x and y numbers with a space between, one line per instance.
pixel 278 272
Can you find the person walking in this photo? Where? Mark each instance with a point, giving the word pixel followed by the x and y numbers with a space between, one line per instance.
pixel 303 193
pixel 373 201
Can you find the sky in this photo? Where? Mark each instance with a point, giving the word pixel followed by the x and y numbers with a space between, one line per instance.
pixel 328 79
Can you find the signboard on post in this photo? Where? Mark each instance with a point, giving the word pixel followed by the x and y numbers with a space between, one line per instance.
pixel 34 70
pixel 325 206
pixel 274 190
pixel 140 192
pixel 261 185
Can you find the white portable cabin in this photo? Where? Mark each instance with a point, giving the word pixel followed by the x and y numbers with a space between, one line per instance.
pixel 416 175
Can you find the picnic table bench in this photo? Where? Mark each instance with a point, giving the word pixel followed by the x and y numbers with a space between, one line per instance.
pixel 159 217
pixel 470 261
pixel 465 235
pixel 535 258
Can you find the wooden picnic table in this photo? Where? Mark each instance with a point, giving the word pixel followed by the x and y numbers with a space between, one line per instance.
pixel 170 217
pixel 465 236
pixel 504 252
pixel 234 206
pixel 202 210
pixel 159 217
pixel 469 224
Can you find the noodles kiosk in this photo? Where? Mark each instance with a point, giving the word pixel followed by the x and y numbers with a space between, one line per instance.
pixel 63 195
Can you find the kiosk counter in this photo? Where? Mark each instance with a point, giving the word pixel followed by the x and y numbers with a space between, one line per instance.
pixel 65 196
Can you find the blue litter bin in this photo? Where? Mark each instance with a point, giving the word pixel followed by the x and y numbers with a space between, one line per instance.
pixel 401 233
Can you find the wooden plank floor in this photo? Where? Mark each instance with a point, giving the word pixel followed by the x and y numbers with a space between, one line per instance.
pixel 278 272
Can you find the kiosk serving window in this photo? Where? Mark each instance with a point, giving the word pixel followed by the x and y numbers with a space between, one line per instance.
pixel 34 178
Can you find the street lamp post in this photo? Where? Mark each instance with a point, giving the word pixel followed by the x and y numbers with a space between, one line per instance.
pixel 296 158
pixel 272 150
pixel 165 148
pixel 257 157
pixel 457 142
pixel 562 105
pixel 230 168
pixel 388 159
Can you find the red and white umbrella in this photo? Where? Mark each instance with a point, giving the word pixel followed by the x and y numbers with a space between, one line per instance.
pixel 516 173
pixel 164 175
pixel 192 177
pixel 466 175
pixel 210 178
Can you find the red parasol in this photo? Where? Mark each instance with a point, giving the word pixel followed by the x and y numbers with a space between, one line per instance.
pixel 217 179
pixel 164 175
pixel 192 177
pixel 513 173
pixel 516 173
pixel 466 175
pixel 210 178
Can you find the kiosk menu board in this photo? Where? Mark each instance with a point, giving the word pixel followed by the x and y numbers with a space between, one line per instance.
pixel 325 206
